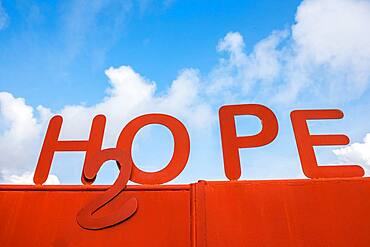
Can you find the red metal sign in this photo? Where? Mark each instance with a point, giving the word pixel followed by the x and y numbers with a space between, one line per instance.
pixel 231 143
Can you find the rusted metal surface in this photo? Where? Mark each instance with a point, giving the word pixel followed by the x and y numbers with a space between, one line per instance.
pixel 317 212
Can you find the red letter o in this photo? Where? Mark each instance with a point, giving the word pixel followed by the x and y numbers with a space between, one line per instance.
pixel 180 153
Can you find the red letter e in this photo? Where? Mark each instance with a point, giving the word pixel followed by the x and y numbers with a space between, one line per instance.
pixel 305 142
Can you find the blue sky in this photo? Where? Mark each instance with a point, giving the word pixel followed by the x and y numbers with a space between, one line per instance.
pixel 73 42
pixel 186 59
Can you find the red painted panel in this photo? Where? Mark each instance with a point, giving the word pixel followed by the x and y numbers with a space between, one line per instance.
pixel 48 218
pixel 286 213
pixel 321 212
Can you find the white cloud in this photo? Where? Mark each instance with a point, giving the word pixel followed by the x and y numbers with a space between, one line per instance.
pixel 325 53
pixel 331 47
pixel 27 178
pixel 356 153
pixel 240 73
pixel 128 96
pixel 333 32
pixel 3 17
pixel 20 135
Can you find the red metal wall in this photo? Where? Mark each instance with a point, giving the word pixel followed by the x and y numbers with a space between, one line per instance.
pixel 331 212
